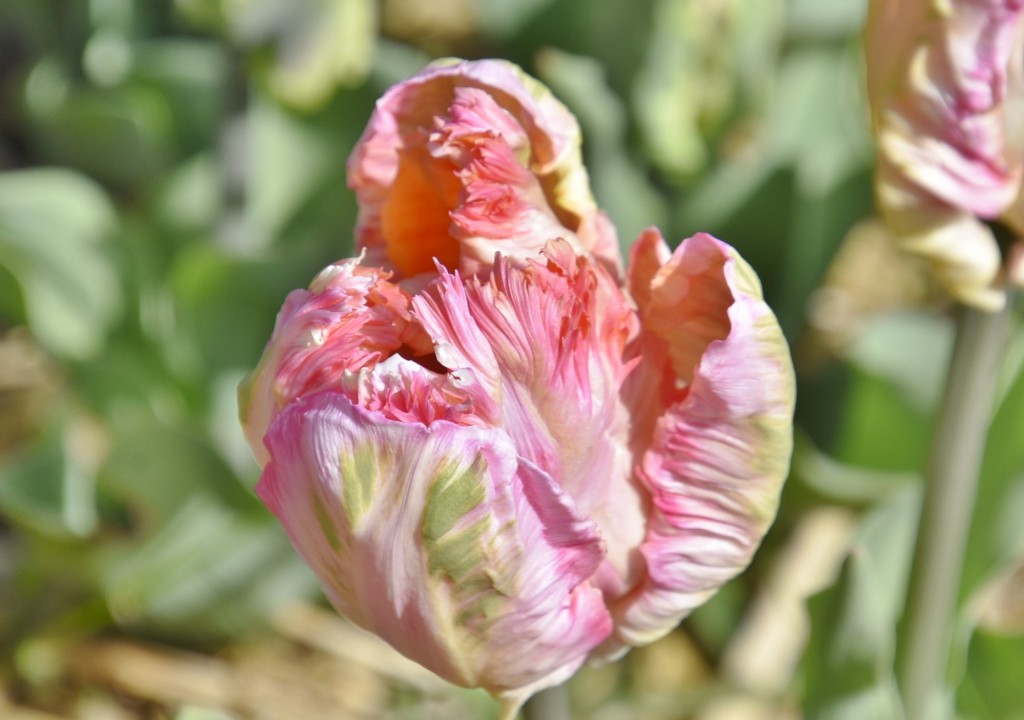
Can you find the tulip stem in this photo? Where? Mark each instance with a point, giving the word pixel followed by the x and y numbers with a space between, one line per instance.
pixel 550 704
pixel 950 487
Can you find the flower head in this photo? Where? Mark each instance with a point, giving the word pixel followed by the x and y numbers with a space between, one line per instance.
pixel 508 465
pixel 946 85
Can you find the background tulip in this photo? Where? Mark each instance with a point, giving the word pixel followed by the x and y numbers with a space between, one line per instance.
pixel 946 85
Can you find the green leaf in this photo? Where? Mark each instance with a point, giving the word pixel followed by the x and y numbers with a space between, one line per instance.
pixel 307 49
pixel 331 47
pixel 190 77
pixel 880 428
pixel 616 37
pixel 991 689
pixel 909 349
pixel 155 466
pixel 500 18
pixel 209 572
pixel 225 307
pixel 225 431
pixel 836 18
pixel 706 63
pixel 844 482
pixel 814 123
pixel 849 661
pixel 190 197
pixel 54 228
pixel 48 489
pixel 294 160
pixel 98 130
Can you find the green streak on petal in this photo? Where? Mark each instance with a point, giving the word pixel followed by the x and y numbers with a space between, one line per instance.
pixel 323 519
pixel 459 553
pixel 452 496
pixel 482 611
pixel 359 480
pixel 745 278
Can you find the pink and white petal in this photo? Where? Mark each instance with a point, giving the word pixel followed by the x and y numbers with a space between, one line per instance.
pixel 962 250
pixel 407 115
pixel 473 114
pixel 556 158
pixel 548 517
pixel 440 541
pixel 403 390
pixel 350 318
pixel 443 310
pixel 403 109
pixel 503 209
pixel 686 301
pixel 719 452
pixel 944 85
pixel 547 340
pixel 646 257
pixel 599 234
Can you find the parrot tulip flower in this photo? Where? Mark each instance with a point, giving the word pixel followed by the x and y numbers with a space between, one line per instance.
pixel 518 460
pixel 946 86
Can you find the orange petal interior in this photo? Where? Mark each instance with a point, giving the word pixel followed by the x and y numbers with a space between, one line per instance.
pixel 415 220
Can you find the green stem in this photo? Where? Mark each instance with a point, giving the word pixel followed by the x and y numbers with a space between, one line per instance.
pixel 550 704
pixel 949 493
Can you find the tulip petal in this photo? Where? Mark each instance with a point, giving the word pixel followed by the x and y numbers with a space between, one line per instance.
pixel 350 318
pixel 946 85
pixel 938 82
pixel 961 248
pixel 546 341
pixel 460 138
pixel 718 446
pixel 439 539
pixel 502 207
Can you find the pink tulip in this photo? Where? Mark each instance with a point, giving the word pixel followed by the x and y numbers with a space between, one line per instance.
pixel 946 85
pixel 507 473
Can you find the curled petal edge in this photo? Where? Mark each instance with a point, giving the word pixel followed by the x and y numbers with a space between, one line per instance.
pixel 961 249
pixel 719 453
pixel 554 136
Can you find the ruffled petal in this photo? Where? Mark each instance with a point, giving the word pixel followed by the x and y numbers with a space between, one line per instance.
pixel 502 207
pixel 403 390
pixel 462 140
pixel 547 342
pixel 961 248
pixel 938 83
pixel 350 318
pixel 946 85
pixel 439 540
pixel 719 437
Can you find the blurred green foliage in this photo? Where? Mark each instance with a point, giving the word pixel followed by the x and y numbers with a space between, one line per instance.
pixel 169 170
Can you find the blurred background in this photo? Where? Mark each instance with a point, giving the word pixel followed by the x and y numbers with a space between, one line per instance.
pixel 170 169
